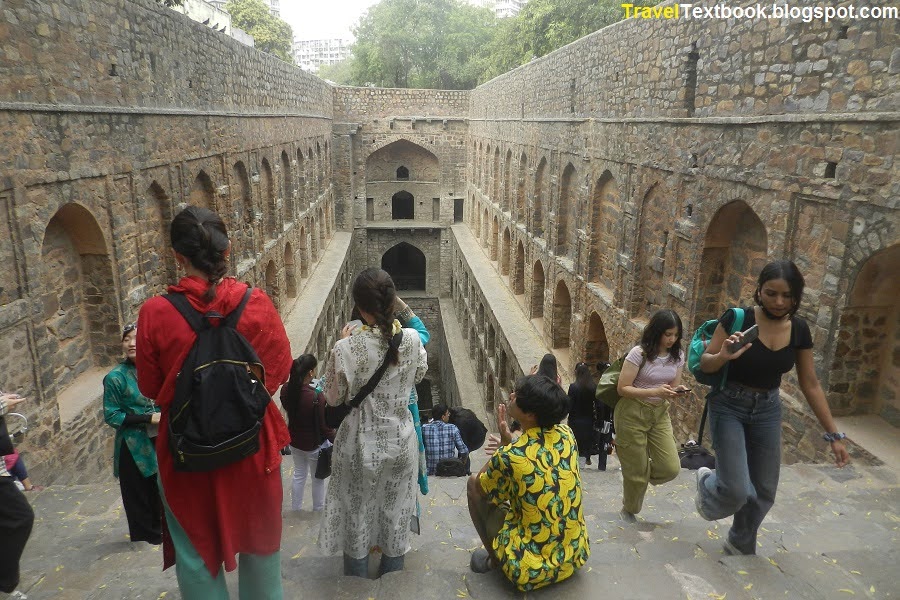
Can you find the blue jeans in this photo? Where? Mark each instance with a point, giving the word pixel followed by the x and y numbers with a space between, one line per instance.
pixel 746 434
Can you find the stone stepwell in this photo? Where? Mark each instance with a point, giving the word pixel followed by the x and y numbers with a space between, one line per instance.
pixel 832 534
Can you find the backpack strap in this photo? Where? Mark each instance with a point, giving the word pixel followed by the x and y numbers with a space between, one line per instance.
pixel 232 319
pixel 193 316
pixel 736 325
pixel 376 377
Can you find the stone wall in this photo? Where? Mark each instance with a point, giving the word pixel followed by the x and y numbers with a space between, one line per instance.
pixel 115 114
pixel 630 188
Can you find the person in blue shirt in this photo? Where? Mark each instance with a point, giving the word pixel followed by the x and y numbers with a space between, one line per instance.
pixel 442 439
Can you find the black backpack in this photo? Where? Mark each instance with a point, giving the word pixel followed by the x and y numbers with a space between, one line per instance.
pixel 220 395
pixel 471 429
pixel 450 467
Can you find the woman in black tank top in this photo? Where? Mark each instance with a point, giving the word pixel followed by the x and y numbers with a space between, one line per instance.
pixel 745 413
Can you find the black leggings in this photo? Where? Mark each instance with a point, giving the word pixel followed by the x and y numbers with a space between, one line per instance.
pixel 140 496
pixel 16 519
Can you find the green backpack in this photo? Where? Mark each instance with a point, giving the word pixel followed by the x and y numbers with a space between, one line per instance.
pixel 607 388
pixel 700 340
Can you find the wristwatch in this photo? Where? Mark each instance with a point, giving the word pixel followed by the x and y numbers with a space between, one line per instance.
pixel 834 437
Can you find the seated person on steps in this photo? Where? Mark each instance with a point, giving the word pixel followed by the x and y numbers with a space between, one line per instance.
pixel 442 439
pixel 526 501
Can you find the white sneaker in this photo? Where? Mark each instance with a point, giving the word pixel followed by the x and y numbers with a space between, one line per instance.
pixel 702 473
pixel 21 487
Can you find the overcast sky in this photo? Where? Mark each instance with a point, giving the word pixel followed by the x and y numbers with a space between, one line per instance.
pixel 314 19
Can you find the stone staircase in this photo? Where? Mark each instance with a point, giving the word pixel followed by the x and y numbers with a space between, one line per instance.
pixel 832 534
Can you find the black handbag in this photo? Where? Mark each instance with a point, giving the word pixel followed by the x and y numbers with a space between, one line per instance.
pixel 692 454
pixel 323 464
pixel 334 415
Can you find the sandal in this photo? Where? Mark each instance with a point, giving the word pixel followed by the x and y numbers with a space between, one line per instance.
pixel 481 561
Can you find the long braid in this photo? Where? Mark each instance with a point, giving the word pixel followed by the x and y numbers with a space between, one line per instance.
pixel 374 292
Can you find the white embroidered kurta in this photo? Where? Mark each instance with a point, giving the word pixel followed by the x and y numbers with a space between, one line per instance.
pixel 372 493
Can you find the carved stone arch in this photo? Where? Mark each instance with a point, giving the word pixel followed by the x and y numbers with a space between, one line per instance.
pixel 242 215
pixel 303 250
pixel 604 219
pixel 495 239
pixel 272 287
pixel 865 373
pixel 267 182
pixel 520 188
pixel 157 260
pixel 596 346
pixel 78 297
pixel 495 177
pixel 561 321
pixel 734 252
pixel 406 265
pixel 518 269
pixel 302 198
pixel 288 187
pixel 507 181
pixel 568 198
pixel 505 252
pixel 538 284
pixel 203 192
pixel 539 198
pixel 290 271
pixel 421 143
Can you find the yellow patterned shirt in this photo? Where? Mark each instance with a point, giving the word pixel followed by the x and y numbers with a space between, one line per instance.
pixel 544 538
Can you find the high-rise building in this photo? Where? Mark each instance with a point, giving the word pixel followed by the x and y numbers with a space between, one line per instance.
pixel 501 8
pixel 274 7
pixel 312 54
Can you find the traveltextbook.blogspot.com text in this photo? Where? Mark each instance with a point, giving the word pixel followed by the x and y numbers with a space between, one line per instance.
pixel 775 10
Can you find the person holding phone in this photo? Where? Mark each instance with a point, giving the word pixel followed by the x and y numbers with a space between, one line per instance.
pixel 645 442
pixel 745 413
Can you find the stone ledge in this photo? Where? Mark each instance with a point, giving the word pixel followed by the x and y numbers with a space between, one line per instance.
pixel 87 388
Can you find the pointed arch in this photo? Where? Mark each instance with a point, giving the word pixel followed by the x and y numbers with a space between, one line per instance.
pixel 518 270
pixel 505 252
pixel 596 346
pixel 155 215
pixel 272 288
pixel 520 188
pixel 203 192
pixel 78 296
pixel 507 181
pixel 734 252
pixel 268 198
pixel 538 199
pixel 567 201
pixel 604 201
pixel 538 282
pixel 561 324
pixel 288 187
pixel 290 271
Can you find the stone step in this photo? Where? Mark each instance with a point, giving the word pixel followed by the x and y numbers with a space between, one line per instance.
pixel 832 534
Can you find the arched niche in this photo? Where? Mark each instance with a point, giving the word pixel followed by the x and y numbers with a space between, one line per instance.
pixel 407 266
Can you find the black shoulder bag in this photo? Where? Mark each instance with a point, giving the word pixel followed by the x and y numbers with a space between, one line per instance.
pixel 323 463
pixel 334 415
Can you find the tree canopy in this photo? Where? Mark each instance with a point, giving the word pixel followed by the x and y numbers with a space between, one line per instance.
pixel 450 44
pixel 270 34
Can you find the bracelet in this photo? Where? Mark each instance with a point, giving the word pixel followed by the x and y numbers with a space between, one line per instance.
pixel 404 315
pixel 834 437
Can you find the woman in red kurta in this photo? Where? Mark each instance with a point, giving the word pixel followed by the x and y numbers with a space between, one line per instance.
pixel 236 509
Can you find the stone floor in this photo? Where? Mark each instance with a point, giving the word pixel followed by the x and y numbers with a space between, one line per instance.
pixel 832 534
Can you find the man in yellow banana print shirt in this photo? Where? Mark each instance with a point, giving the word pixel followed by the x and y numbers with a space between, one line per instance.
pixel 526 501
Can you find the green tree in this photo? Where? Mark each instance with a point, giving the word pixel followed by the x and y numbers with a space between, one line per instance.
pixel 270 34
pixel 420 43
pixel 339 73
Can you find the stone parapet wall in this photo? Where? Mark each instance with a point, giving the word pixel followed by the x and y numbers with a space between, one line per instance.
pixel 135 54
pixel 741 68
pixel 363 104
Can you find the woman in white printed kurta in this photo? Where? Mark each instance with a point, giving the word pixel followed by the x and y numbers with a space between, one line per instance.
pixel 371 497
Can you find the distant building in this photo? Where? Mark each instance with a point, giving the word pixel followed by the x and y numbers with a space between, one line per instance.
pixel 501 8
pixel 212 14
pixel 312 54
pixel 274 7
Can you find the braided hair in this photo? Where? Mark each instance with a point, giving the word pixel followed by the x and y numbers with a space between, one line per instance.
pixel 374 292
pixel 199 235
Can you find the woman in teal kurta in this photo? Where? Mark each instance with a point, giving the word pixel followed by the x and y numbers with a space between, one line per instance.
pixel 134 418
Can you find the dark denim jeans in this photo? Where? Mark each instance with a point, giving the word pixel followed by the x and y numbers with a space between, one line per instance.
pixel 746 434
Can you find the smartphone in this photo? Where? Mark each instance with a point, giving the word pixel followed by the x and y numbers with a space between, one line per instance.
pixel 683 391
pixel 354 324
pixel 749 336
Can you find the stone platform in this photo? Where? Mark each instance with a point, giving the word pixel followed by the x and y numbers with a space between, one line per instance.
pixel 832 534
